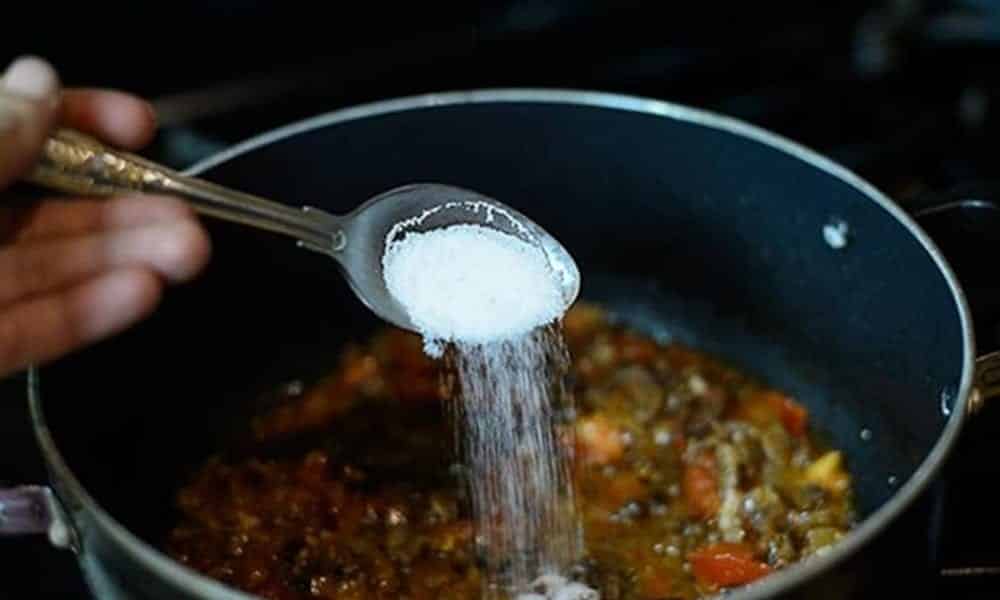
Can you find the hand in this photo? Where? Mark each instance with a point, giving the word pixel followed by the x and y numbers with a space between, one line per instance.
pixel 74 271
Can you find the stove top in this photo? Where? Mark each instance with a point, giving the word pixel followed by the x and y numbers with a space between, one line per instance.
pixel 903 92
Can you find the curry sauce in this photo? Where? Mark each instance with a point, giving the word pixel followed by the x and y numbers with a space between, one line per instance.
pixel 691 477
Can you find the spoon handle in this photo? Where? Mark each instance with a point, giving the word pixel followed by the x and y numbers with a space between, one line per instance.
pixel 74 163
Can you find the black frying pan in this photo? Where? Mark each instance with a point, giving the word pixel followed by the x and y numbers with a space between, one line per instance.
pixel 722 235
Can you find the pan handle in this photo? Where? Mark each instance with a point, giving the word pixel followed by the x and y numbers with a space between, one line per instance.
pixel 973 198
pixel 987 384
pixel 964 222
pixel 33 509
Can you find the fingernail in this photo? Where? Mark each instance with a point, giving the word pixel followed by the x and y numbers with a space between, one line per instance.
pixel 32 78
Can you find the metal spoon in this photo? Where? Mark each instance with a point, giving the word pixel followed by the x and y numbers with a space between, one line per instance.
pixel 74 163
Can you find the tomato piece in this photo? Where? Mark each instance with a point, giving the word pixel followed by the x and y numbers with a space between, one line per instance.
pixel 726 565
pixel 700 487
pixel 792 414
pixel 762 407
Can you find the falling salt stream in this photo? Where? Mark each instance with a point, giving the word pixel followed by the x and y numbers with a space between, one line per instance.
pixel 519 474
pixel 490 304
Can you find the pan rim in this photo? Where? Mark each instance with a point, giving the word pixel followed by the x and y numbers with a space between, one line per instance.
pixel 789 577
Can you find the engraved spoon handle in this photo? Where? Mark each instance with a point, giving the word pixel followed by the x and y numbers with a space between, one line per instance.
pixel 74 163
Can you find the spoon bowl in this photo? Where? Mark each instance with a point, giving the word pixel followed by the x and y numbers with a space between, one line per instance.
pixel 74 163
pixel 388 217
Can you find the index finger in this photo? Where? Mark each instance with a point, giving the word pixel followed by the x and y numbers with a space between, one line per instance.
pixel 48 327
pixel 118 118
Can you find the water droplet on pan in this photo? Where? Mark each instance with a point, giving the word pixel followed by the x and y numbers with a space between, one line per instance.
pixel 946 396
pixel 836 233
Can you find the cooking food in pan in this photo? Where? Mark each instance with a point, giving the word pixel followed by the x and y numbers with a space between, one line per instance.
pixel 692 477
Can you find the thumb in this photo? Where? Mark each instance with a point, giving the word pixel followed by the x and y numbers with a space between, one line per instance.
pixel 29 96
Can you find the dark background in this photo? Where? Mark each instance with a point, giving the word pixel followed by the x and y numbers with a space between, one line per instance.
pixel 903 92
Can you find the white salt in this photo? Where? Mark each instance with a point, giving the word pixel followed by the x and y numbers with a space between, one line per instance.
pixel 556 587
pixel 472 284
pixel 497 301
pixel 575 591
